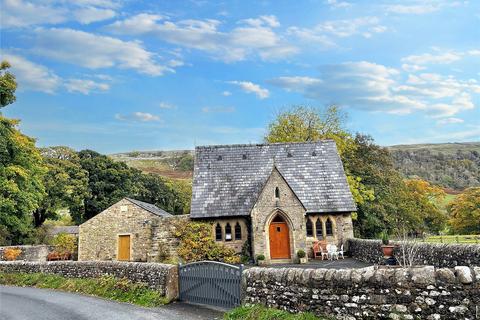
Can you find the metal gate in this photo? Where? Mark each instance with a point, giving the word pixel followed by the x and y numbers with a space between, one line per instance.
pixel 211 283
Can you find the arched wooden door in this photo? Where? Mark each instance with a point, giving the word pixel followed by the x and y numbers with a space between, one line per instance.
pixel 279 236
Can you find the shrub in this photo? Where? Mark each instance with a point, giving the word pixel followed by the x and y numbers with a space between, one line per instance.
pixel 65 244
pixel 197 244
pixel 11 254
pixel 301 254
pixel 260 257
pixel 384 237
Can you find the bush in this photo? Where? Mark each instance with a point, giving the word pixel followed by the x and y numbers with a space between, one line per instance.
pixel 301 254
pixel 197 244
pixel 260 257
pixel 257 312
pixel 106 287
pixel 385 239
pixel 11 254
pixel 65 244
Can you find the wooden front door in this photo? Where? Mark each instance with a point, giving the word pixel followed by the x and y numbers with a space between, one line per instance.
pixel 279 240
pixel 123 248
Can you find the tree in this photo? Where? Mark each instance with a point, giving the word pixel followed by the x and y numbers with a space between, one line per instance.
pixel 464 212
pixel 66 184
pixel 303 124
pixel 8 85
pixel 108 182
pixel 21 176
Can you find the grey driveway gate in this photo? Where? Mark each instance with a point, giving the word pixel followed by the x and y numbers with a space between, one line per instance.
pixel 211 283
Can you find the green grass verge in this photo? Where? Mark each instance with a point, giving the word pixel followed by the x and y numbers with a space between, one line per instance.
pixel 258 312
pixel 105 287
pixel 463 239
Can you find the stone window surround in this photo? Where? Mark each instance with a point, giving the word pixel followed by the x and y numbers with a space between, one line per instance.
pixel 323 218
pixel 117 242
pixel 232 223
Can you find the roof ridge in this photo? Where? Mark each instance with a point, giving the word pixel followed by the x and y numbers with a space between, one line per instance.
pixel 263 144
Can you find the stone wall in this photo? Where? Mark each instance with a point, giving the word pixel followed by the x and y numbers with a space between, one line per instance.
pixel 161 277
pixel 30 253
pixel 164 243
pixel 98 237
pixel 435 254
pixel 368 293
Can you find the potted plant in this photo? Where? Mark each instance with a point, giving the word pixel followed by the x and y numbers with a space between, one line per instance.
pixel 387 249
pixel 261 260
pixel 302 256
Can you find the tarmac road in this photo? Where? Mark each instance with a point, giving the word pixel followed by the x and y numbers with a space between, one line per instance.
pixel 43 304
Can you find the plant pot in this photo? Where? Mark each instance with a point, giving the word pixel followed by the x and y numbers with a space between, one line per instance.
pixel 302 260
pixel 261 262
pixel 387 250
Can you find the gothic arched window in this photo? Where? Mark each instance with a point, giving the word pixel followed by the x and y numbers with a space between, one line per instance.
pixel 238 231
pixel 329 227
pixel 228 232
pixel 319 227
pixel 309 227
pixel 277 193
pixel 218 232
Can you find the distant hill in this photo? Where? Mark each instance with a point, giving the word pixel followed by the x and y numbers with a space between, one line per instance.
pixel 450 165
pixel 453 166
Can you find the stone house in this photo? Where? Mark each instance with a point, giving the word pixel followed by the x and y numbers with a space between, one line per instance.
pixel 126 231
pixel 279 197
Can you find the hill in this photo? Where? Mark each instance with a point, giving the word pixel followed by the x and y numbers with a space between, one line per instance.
pixel 454 166
pixel 450 165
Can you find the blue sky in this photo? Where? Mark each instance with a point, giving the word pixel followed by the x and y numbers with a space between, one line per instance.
pixel 142 75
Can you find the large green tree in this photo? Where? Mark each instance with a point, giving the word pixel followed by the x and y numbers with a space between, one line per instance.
pixel 66 184
pixel 21 177
pixel 8 85
pixel 108 182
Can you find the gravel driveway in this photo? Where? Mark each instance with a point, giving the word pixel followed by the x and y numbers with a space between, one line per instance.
pixel 42 304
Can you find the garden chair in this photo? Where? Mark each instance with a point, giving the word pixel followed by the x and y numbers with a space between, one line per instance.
pixel 318 250
pixel 332 251
pixel 341 252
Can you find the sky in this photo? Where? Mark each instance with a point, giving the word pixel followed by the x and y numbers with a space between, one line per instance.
pixel 117 76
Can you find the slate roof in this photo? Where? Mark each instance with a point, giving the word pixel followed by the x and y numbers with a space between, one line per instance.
pixel 228 179
pixel 63 229
pixel 150 207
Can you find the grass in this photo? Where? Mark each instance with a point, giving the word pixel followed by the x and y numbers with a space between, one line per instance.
pixel 258 312
pixel 107 287
pixel 464 239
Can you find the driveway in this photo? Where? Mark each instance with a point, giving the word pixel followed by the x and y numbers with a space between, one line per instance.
pixel 42 304
pixel 347 263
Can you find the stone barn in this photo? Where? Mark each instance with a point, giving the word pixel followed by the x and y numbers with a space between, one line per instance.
pixel 280 197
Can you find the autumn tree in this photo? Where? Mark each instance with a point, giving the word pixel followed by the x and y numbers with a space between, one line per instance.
pixel 464 212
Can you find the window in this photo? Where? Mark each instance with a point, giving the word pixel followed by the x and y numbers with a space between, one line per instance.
pixel 238 231
pixel 218 232
pixel 277 193
pixel 309 228
pixel 329 227
pixel 319 227
pixel 244 157
pixel 228 232
pixel 219 158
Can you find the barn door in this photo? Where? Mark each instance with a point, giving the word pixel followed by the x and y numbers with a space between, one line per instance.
pixel 123 248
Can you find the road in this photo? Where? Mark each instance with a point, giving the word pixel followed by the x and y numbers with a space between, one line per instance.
pixel 42 304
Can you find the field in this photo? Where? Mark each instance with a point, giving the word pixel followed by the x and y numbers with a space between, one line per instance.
pixel 464 239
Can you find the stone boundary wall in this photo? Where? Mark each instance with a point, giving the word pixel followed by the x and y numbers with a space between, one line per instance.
pixel 30 253
pixel 435 254
pixel 161 277
pixel 369 293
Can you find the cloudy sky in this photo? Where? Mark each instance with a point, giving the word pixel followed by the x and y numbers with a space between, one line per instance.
pixel 140 75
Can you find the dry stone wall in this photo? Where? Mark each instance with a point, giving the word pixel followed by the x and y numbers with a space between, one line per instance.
pixel 435 254
pixel 369 293
pixel 30 253
pixel 161 277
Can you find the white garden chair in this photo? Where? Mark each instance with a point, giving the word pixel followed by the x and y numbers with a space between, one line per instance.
pixel 340 252
pixel 332 251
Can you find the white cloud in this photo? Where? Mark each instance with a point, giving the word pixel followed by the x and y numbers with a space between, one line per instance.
pixel 94 51
pixel 91 14
pixel 85 86
pixel 412 67
pixel 218 109
pixel 226 93
pixel 166 105
pixel 427 58
pixel 338 4
pixel 251 87
pixel 370 86
pixel 19 13
pixel 420 6
pixel 32 76
pixel 138 116
pixel 449 121
pixel 251 37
